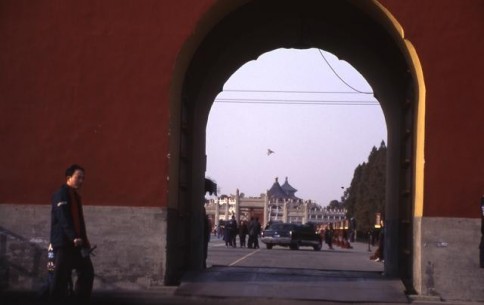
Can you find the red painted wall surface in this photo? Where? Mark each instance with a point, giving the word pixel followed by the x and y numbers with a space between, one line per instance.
pixel 88 82
pixel 447 35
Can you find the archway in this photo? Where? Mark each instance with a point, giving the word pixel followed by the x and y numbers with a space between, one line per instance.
pixel 362 34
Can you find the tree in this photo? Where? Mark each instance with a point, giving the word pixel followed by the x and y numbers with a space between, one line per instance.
pixel 335 204
pixel 366 194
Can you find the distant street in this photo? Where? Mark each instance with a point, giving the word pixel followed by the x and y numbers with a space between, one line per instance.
pixel 356 259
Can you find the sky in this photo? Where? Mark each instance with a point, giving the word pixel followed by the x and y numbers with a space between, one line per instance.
pixel 316 112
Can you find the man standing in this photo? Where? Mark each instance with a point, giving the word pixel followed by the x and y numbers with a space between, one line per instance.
pixel 69 240
pixel 254 232
pixel 232 227
pixel 243 231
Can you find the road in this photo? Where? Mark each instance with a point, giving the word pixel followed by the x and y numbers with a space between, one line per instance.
pixel 339 275
pixel 355 259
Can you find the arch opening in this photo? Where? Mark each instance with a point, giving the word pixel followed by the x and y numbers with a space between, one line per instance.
pixel 344 28
pixel 320 117
pixel 316 112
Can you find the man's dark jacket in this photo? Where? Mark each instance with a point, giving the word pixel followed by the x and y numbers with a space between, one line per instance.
pixel 62 232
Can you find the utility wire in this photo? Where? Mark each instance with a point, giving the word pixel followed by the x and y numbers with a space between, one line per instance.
pixel 300 101
pixel 296 102
pixel 275 101
pixel 295 91
pixel 292 100
pixel 340 78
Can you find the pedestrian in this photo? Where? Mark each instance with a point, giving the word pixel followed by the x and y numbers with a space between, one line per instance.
pixel 206 236
pixel 243 231
pixel 251 227
pixel 258 230
pixel 215 230
pixel 220 231
pixel 69 241
pixel 379 255
pixel 345 241
pixel 233 232
pixel 228 233
pixel 328 236
pixel 254 232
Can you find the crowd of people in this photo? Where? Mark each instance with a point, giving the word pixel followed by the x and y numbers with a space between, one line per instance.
pixel 338 237
pixel 248 232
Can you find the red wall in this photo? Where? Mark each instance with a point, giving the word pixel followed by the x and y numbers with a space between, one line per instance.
pixel 88 82
pixel 447 35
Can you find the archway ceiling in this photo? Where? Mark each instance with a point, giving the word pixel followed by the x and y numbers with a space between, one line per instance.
pixel 261 26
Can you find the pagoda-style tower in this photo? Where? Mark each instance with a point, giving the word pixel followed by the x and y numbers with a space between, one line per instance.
pixel 282 193
pixel 289 190
pixel 276 193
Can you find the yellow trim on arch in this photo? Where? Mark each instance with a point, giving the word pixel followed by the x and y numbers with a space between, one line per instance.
pixel 420 130
pixel 420 92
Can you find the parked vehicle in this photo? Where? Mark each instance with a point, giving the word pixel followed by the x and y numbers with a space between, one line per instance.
pixel 292 236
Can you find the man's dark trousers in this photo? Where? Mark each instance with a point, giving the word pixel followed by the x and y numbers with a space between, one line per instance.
pixel 66 260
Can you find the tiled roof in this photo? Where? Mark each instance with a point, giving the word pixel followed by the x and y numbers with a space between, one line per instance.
pixel 288 188
pixel 279 192
pixel 276 191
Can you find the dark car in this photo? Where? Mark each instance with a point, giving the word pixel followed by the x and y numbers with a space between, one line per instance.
pixel 292 236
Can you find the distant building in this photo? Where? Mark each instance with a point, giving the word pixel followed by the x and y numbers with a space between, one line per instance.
pixel 279 203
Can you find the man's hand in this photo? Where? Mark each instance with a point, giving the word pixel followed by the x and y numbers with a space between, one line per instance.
pixel 77 242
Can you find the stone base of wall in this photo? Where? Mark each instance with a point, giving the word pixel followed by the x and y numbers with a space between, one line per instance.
pixel 447 258
pixel 131 250
pixel 130 254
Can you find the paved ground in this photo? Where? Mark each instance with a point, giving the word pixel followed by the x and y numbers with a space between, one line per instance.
pixel 240 284
pixel 356 258
pixel 169 296
pixel 296 284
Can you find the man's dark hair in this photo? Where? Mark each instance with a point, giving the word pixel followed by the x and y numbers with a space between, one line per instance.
pixel 72 169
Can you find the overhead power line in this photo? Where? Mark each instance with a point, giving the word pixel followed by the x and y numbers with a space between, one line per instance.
pixel 290 101
pixel 337 75
pixel 295 102
pixel 295 91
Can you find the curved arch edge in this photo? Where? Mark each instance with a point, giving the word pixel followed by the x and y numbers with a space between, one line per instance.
pixel 392 24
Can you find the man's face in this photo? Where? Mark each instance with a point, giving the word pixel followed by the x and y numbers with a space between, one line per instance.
pixel 76 180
